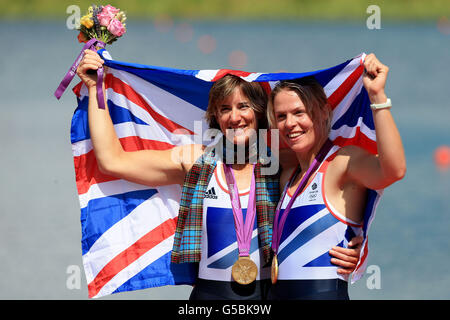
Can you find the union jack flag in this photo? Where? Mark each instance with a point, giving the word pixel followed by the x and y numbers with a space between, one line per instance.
pixel 127 228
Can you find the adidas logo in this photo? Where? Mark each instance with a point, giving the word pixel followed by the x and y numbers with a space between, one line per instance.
pixel 211 194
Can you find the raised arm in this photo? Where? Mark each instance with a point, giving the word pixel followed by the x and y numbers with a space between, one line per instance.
pixel 389 166
pixel 149 167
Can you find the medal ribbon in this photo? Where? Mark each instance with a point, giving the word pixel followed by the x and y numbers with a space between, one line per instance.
pixel 243 229
pixel 92 44
pixel 278 224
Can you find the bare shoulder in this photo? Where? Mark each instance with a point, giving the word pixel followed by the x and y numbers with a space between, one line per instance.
pixel 352 155
pixel 352 151
pixel 194 149
pixel 340 164
pixel 188 154
pixel 342 157
pixel 352 161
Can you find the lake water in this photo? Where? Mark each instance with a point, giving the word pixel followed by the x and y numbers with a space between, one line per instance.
pixel 39 220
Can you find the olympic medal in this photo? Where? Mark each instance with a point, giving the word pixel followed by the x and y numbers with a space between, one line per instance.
pixel 244 270
pixel 274 269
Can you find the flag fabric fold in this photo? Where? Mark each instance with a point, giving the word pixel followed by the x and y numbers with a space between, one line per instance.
pixel 127 228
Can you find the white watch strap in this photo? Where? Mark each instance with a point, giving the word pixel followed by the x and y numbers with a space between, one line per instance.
pixel 376 106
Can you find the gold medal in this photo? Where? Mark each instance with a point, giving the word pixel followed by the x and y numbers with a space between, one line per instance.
pixel 244 270
pixel 274 270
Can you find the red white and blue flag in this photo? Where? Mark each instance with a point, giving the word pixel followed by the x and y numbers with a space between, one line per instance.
pixel 127 228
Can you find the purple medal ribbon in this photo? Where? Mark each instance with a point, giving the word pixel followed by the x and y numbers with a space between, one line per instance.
pixel 243 229
pixel 92 44
pixel 278 224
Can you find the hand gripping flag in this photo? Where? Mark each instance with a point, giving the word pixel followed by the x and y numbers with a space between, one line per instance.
pixel 127 228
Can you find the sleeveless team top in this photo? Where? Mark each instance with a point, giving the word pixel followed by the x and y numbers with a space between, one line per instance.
pixel 312 228
pixel 219 249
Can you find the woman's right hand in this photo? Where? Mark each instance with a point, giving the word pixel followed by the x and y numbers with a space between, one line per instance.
pixel 90 61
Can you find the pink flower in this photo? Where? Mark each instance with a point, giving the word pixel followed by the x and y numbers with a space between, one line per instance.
pixel 106 15
pixel 104 19
pixel 108 9
pixel 116 28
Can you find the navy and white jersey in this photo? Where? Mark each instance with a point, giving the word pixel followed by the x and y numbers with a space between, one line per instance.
pixel 219 242
pixel 312 228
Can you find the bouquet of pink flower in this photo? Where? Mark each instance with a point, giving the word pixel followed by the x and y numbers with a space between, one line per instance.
pixel 100 26
pixel 104 23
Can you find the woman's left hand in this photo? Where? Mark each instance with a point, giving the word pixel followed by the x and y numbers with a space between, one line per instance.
pixel 347 258
pixel 374 78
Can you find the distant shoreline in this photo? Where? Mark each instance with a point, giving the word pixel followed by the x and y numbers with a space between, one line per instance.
pixel 284 10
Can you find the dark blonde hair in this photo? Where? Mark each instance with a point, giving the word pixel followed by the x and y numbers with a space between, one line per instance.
pixel 225 86
pixel 312 95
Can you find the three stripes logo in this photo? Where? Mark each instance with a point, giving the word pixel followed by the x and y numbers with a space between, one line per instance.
pixel 210 194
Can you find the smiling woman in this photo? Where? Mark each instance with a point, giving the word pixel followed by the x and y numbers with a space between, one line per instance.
pixel 252 93
pixel 235 114
pixel 326 192
pixel 291 109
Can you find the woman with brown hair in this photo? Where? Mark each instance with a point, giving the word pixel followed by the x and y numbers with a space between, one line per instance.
pixel 325 193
